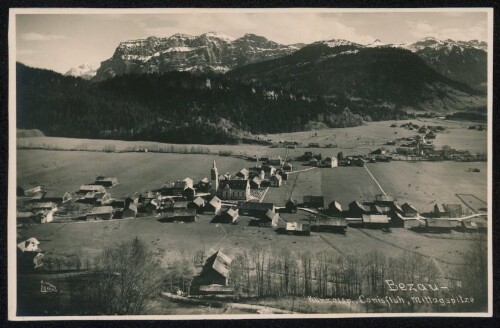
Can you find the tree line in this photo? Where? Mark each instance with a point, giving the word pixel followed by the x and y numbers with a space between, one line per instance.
pixel 176 107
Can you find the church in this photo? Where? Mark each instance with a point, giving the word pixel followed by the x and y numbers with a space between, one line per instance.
pixel 232 189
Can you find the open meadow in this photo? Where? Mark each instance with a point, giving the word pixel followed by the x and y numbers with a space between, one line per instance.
pixel 421 183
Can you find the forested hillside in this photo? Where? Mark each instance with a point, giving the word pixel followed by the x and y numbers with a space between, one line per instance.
pixel 176 107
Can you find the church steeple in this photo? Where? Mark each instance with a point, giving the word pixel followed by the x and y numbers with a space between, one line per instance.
pixel 214 179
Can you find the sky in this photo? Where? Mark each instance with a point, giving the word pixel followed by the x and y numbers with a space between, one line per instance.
pixel 62 41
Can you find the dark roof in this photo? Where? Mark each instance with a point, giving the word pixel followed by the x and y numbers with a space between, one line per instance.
pixel 408 207
pixel 234 184
pixel 336 205
pixel 181 204
pixel 452 207
pixel 183 212
pixel 255 206
pixel 215 201
pixel 438 223
pixel 101 210
pixel 375 218
pixel 336 222
pixel 199 201
pixel 220 262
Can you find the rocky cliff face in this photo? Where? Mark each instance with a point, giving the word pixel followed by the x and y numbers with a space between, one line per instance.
pixel 181 52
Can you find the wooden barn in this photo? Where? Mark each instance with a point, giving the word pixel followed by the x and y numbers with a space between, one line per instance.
pixel 213 206
pixel 409 210
pixel 335 209
pixel 100 213
pixel 291 206
pixel 107 182
pixel 214 275
pixel 357 210
pixel 256 209
pixel 376 221
pixel 338 225
pixel 438 225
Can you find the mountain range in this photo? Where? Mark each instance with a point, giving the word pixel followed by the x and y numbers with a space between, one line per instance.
pixel 214 89
pixel 463 61
pixel 182 52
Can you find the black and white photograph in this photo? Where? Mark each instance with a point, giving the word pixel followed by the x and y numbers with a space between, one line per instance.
pixel 249 163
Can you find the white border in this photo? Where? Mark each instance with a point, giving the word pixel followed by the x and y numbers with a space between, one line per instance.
pixel 11 229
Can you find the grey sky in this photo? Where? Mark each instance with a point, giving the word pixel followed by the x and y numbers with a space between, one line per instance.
pixel 62 41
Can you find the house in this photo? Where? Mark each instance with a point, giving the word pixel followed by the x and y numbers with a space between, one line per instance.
pixel 189 193
pixel 398 220
pixel 203 185
pixel 297 228
pixel 243 174
pixel 384 200
pixel 213 206
pixel 234 189
pixel 31 191
pixel 85 189
pixel 269 171
pixel 314 201
pixel 255 182
pixel 199 204
pixel 276 180
pixel 379 209
pixel 423 129
pixel 38 196
pixel 356 209
pixel 307 155
pixel 291 206
pixel 358 161
pixel 430 135
pixel 269 219
pixel 95 198
pixel 379 151
pixel 180 205
pixel 179 186
pixel 56 196
pixel 275 161
pixel 151 206
pixel 215 272
pixel 130 211
pixel 230 215
pixel 475 225
pixel 313 162
pixel 256 209
pixel 290 144
pixel 447 210
pixel 184 214
pixel 331 162
pixel 257 172
pixel 45 216
pixel 106 181
pixel 438 225
pixel 100 213
pixel 335 208
pixel 283 174
pixel 337 224
pixel 287 167
pixel 409 210
pixel 45 206
pixel 376 221
pixel 29 245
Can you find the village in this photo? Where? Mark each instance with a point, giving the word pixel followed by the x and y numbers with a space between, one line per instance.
pixel 241 197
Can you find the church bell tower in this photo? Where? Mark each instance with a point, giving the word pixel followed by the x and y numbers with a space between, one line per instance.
pixel 214 179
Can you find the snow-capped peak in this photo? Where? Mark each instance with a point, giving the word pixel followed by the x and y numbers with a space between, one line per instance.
pixel 85 71
pixel 219 36
pixel 376 43
pixel 338 42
